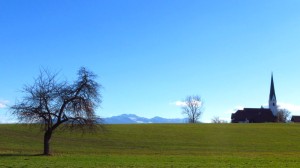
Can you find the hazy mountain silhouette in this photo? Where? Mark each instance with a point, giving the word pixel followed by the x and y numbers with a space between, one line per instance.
pixel 134 119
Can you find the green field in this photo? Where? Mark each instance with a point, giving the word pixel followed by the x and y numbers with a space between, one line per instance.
pixel 156 145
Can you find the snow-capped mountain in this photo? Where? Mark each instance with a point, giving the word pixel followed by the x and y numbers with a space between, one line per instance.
pixel 134 119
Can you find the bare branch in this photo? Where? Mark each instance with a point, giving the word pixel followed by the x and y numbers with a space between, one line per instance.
pixel 193 108
pixel 283 115
pixel 52 103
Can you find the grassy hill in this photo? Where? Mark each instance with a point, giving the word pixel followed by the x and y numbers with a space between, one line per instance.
pixel 156 145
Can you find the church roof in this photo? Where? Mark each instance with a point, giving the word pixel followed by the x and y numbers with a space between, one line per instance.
pixel 272 89
pixel 253 115
pixel 295 119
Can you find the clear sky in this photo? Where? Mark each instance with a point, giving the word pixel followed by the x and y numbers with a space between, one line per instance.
pixel 149 54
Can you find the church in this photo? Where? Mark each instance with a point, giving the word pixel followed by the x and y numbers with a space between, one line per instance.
pixel 258 115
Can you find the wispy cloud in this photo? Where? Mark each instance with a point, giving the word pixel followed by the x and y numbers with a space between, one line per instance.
pixel 179 103
pixel 291 107
pixel 3 103
pixel 183 103
pixel 5 116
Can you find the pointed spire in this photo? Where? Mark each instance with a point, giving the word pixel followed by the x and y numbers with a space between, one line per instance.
pixel 272 90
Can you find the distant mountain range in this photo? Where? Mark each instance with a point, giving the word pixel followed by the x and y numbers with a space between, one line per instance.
pixel 134 119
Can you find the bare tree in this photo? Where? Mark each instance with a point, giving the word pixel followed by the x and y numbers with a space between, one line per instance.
pixel 52 103
pixel 192 108
pixel 283 115
pixel 217 120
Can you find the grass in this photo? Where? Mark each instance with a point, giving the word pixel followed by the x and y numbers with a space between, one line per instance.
pixel 156 145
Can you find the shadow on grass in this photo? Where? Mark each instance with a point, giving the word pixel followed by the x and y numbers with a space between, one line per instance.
pixel 20 154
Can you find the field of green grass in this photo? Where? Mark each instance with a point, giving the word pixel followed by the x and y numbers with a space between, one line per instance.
pixel 156 145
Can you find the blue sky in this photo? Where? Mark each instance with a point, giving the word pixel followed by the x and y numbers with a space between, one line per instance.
pixel 149 54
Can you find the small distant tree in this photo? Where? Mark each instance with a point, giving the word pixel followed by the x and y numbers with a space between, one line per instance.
pixel 52 103
pixel 283 115
pixel 217 120
pixel 193 108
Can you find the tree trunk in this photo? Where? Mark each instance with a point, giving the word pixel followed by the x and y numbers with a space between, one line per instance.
pixel 47 137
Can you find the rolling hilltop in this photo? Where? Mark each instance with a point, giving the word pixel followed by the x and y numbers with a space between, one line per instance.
pixel 156 145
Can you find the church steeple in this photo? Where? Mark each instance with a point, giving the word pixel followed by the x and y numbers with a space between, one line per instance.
pixel 272 98
pixel 272 89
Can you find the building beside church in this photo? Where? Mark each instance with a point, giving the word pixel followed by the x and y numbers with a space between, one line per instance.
pixel 258 115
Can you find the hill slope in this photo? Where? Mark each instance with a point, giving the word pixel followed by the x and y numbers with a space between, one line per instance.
pixel 156 145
